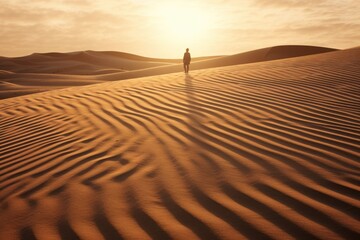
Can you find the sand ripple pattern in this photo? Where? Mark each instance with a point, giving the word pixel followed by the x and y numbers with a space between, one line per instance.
pixel 258 151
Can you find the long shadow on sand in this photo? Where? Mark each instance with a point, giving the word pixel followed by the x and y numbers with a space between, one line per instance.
pixel 191 96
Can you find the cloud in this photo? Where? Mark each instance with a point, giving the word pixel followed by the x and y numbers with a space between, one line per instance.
pixel 51 26
pixel 131 25
pixel 289 3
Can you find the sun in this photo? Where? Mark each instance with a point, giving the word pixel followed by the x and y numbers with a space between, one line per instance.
pixel 183 24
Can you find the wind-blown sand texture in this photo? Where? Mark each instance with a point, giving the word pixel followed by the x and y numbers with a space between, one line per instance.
pixel 41 72
pixel 258 151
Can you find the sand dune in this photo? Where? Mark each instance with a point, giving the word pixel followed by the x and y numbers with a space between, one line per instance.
pixel 83 62
pixel 260 55
pixel 80 63
pixel 259 151
pixel 42 72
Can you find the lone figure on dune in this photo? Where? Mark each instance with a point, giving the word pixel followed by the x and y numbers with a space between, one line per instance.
pixel 186 60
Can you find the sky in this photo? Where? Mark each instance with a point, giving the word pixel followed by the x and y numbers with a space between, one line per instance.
pixel 164 28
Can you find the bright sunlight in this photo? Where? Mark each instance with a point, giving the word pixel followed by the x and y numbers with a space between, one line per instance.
pixel 183 25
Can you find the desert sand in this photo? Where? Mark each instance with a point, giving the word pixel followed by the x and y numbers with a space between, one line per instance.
pixel 263 150
pixel 41 72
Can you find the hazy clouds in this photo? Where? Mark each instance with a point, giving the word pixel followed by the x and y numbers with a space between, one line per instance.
pixel 71 25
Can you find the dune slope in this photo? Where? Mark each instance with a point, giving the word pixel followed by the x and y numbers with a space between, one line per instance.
pixel 48 71
pixel 259 151
pixel 259 55
pixel 83 62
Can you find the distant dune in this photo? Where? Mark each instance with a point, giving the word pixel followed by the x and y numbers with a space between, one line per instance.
pixel 47 71
pixel 82 63
pixel 261 55
pixel 268 150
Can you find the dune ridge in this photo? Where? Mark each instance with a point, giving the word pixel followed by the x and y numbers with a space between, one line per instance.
pixel 261 151
pixel 83 62
pixel 42 72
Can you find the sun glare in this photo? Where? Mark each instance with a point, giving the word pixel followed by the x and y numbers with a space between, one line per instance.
pixel 183 25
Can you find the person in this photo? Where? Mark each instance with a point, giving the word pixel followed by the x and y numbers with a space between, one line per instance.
pixel 186 60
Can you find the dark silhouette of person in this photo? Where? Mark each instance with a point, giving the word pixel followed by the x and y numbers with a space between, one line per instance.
pixel 186 60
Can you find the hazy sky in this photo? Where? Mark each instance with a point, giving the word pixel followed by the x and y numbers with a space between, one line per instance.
pixel 164 28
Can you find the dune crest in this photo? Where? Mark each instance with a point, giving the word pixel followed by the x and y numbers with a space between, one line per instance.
pixel 83 62
pixel 47 71
pixel 262 151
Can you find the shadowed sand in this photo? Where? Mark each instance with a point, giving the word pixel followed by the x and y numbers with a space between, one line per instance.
pixel 259 151
pixel 41 72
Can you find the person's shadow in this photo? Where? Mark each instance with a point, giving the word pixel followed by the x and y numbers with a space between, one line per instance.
pixel 190 90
